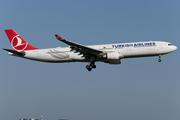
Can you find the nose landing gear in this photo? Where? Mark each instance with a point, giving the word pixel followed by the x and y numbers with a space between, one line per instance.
pixel 159 60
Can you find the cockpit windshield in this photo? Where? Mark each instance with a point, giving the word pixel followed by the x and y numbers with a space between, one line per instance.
pixel 169 44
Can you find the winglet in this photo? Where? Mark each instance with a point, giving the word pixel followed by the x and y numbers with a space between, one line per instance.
pixel 58 37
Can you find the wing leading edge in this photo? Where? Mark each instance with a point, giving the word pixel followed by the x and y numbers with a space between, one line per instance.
pixel 79 48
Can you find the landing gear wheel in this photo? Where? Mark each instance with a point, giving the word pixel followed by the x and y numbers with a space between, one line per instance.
pixel 93 65
pixel 88 67
pixel 159 60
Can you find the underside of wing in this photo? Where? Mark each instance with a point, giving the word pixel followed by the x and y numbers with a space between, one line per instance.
pixel 86 51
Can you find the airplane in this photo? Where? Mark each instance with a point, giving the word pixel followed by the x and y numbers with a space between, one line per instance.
pixel 107 53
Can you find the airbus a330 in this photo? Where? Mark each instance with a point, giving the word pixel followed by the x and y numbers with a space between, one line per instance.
pixel 107 53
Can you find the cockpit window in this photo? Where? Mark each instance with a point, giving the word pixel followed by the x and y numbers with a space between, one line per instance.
pixel 169 44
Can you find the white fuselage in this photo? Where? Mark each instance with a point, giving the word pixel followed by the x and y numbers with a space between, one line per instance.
pixel 125 50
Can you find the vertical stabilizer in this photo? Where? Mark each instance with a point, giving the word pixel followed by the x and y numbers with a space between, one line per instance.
pixel 17 42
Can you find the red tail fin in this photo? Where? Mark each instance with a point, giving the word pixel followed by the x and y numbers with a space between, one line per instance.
pixel 17 42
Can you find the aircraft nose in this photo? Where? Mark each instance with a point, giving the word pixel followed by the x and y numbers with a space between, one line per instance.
pixel 175 48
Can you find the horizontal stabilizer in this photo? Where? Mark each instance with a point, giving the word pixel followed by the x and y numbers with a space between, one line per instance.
pixel 21 54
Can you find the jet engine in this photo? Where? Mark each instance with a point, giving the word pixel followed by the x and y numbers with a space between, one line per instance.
pixel 113 57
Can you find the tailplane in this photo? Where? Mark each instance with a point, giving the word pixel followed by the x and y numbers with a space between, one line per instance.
pixel 17 42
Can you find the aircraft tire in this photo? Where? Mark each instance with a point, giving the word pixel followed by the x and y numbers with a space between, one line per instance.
pixel 159 60
pixel 94 66
pixel 89 69
pixel 87 66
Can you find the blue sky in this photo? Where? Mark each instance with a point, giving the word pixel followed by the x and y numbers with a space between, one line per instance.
pixel 139 88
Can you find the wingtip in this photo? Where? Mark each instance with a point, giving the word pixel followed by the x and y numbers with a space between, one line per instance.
pixel 58 37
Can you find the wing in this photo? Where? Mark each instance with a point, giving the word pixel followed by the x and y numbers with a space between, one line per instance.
pixel 80 48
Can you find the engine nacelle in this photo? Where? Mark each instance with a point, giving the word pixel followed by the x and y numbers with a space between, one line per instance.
pixel 115 61
pixel 113 57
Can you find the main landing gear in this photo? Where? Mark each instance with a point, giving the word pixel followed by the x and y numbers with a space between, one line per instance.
pixel 90 66
pixel 159 60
